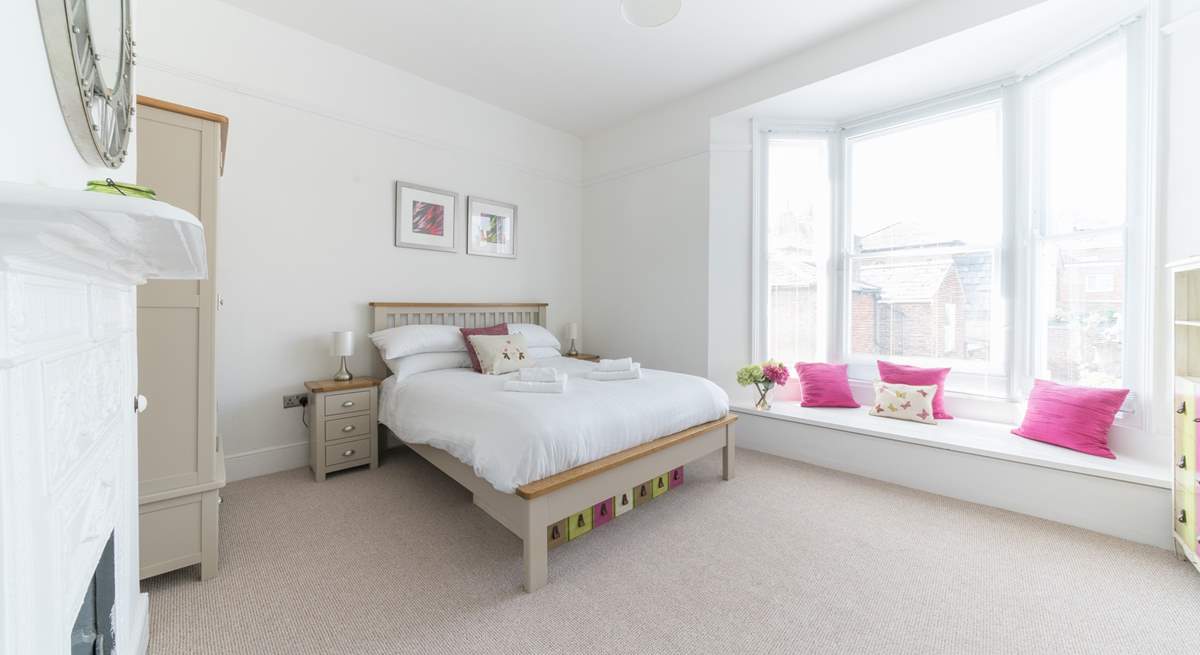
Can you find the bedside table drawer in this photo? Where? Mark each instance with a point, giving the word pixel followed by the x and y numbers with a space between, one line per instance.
pixel 344 428
pixel 347 452
pixel 345 403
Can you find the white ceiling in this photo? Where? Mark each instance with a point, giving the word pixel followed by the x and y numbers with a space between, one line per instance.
pixel 572 64
pixel 990 52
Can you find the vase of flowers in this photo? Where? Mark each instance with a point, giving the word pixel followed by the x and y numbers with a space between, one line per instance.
pixel 764 377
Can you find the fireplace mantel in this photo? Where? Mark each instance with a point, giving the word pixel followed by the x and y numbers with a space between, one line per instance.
pixel 69 264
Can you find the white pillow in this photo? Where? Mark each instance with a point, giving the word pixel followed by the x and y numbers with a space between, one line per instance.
pixel 543 353
pixel 904 401
pixel 402 367
pixel 500 353
pixel 536 336
pixel 413 339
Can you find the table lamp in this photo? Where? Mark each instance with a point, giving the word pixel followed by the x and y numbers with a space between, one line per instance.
pixel 572 334
pixel 342 346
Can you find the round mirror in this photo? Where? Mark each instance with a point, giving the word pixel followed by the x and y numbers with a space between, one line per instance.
pixel 105 19
pixel 89 46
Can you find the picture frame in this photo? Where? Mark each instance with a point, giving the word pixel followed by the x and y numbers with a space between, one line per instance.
pixel 491 228
pixel 425 217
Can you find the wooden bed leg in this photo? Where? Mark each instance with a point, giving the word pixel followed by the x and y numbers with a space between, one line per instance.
pixel 727 454
pixel 537 568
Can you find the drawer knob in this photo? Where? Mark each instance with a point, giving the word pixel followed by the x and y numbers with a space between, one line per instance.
pixel 348 453
pixel 1182 516
pixel 1183 461
pixel 350 428
pixel 1182 408
pixel 348 403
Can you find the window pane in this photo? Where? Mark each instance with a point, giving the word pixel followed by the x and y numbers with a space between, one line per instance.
pixel 1083 282
pixel 923 306
pixel 1083 136
pixel 934 183
pixel 926 217
pixel 798 199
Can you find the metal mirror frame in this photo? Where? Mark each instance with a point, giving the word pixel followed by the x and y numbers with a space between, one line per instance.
pixel 99 117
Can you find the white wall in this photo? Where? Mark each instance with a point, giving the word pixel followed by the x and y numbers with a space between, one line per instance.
pixel 650 163
pixel 35 146
pixel 1182 63
pixel 318 135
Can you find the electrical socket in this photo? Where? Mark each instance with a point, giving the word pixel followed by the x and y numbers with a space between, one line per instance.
pixel 295 400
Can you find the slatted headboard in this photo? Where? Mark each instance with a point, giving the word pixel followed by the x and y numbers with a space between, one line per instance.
pixel 392 314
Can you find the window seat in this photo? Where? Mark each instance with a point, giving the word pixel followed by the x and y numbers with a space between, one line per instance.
pixel 969 436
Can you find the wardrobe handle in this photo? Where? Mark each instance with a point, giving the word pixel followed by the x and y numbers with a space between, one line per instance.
pixel 1182 516
pixel 1182 408
pixel 350 403
pixel 1183 461
pixel 348 428
pixel 348 453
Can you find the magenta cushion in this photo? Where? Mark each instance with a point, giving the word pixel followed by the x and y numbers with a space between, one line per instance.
pixel 918 377
pixel 467 332
pixel 1072 417
pixel 825 385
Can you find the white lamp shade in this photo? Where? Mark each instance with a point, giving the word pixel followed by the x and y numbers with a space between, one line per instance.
pixel 572 330
pixel 342 344
pixel 650 13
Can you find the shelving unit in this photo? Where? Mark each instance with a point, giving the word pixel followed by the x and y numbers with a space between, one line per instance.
pixel 1186 279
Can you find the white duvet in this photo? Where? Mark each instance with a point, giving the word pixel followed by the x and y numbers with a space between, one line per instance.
pixel 512 438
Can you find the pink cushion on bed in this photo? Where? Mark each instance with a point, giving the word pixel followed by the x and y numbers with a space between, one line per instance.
pixel 1072 417
pixel 493 330
pixel 918 377
pixel 824 385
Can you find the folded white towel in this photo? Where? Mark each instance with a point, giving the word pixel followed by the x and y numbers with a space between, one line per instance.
pixel 537 374
pixel 558 386
pixel 634 373
pixel 613 365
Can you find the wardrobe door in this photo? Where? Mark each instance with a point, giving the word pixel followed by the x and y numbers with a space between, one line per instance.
pixel 177 157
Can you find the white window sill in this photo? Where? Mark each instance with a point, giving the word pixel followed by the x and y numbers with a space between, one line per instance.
pixel 969 436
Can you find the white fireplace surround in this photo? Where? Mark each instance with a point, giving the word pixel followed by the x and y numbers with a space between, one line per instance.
pixel 69 264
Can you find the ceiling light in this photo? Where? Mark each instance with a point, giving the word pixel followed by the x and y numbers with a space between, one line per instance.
pixel 650 13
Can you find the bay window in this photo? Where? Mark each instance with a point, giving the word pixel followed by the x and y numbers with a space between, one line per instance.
pixel 997 232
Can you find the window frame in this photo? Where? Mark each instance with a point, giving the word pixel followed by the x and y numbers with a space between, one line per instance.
pixel 996 370
pixel 1016 255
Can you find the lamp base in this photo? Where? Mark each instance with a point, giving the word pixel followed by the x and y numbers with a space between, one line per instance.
pixel 571 352
pixel 343 373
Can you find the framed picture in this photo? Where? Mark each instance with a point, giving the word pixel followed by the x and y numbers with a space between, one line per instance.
pixel 425 217
pixel 491 228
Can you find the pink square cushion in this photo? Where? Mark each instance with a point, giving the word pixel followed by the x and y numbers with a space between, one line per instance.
pixel 1072 417
pixel 789 391
pixel 825 385
pixel 917 377
pixel 467 332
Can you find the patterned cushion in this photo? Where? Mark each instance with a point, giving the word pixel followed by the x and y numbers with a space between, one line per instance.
pixel 501 353
pixel 466 336
pixel 904 401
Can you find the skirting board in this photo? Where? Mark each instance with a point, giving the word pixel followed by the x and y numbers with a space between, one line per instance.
pixel 265 461
pixel 1130 511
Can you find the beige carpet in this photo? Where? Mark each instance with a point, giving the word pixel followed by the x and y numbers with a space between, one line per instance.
pixel 787 558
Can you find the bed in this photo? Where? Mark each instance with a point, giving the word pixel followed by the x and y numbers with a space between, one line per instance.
pixel 531 460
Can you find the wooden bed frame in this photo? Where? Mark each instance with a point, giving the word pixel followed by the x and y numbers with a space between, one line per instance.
pixel 536 505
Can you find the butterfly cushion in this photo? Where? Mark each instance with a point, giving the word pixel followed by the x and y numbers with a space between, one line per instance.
pixel 904 401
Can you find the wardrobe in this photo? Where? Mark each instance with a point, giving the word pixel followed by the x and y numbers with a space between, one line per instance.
pixel 181 469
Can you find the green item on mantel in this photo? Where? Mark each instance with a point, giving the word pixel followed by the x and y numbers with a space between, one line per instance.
pixel 121 189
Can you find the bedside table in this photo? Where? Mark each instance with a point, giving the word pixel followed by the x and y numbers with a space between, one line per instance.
pixel 343 425
pixel 584 357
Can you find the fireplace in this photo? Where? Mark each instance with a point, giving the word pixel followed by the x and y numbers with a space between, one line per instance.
pixel 93 632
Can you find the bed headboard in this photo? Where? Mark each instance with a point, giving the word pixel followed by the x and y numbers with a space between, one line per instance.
pixel 392 314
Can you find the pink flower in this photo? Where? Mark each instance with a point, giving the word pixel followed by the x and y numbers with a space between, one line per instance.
pixel 776 373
